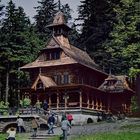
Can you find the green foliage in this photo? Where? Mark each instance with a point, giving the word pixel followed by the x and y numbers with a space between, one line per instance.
pixel 45 13
pixel 4 107
pixel 23 136
pixel 26 102
pixel 111 33
pixel 67 12
pixel 18 45
pixel 133 72
pixel 97 17
pixel 134 104
pixel 1 9
pixel 123 46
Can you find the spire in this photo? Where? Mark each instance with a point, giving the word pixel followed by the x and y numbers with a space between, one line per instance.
pixel 59 5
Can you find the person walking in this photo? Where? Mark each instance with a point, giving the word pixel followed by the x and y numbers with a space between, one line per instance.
pixel 20 124
pixel 51 122
pixel 65 125
pixel 69 117
pixel 11 133
pixel 34 127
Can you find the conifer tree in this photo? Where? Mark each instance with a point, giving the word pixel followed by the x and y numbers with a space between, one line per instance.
pixel 17 47
pixel 1 9
pixel 97 17
pixel 45 13
pixel 67 12
pixel 1 13
pixel 123 46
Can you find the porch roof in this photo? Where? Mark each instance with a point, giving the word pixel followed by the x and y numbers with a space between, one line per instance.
pixel 46 81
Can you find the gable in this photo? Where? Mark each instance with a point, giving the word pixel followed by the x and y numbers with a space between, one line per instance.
pixel 43 82
pixel 52 43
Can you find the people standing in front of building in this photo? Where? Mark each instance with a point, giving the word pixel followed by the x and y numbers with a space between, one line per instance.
pixel 38 106
pixel 51 122
pixel 11 133
pixel 20 124
pixel 45 106
pixel 35 125
pixel 65 125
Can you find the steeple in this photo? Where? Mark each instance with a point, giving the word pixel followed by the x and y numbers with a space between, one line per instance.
pixel 59 5
pixel 59 26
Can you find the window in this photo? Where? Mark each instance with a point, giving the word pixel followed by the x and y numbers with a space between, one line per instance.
pixel 66 78
pixel 62 79
pixel 53 56
pixel 40 85
pixel 59 79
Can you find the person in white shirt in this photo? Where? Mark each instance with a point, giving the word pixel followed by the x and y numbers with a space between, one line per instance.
pixel 12 133
pixel 20 125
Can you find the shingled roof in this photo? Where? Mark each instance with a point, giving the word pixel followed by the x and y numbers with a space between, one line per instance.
pixel 73 54
pixel 59 20
pixel 115 84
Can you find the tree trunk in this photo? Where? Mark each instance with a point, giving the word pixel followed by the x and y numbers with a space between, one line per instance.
pixel 138 90
pixel 7 87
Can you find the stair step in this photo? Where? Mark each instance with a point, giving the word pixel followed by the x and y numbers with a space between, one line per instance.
pixel 47 135
pixel 39 138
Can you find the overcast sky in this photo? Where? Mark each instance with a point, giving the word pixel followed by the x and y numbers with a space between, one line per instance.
pixel 29 4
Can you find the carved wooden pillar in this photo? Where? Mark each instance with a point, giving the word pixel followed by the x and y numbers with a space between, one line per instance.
pixel 66 100
pixel 87 100
pixel 101 105
pixel 92 103
pixel 58 101
pixel 108 104
pixel 125 108
pixel 97 105
pixel 80 99
pixel 50 102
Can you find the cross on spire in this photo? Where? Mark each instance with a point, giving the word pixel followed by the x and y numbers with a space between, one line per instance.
pixel 59 5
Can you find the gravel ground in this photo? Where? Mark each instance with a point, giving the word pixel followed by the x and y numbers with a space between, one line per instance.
pixel 103 127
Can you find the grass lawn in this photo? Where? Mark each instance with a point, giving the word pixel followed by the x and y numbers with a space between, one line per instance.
pixel 18 136
pixel 99 136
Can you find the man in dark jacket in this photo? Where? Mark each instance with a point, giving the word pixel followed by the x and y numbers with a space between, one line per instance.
pixel 51 122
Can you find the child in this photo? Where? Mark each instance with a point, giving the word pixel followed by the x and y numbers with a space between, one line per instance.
pixel 12 133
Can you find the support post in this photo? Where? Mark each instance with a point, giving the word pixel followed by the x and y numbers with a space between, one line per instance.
pixel 80 99
pixel 108 106
pixel 57 101
pixel 92 103
pixel 50 103
pixel 87 100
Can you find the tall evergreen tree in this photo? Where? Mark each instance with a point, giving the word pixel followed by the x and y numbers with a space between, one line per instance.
pixel 73 34
pixel 45 13
pixel 1 13
pixel 67 12
pixel 17 45
pixel 97 17
pixel 123 46
pixel 1 9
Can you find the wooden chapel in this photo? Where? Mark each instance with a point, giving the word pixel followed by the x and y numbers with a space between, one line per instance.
pixel 68 79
